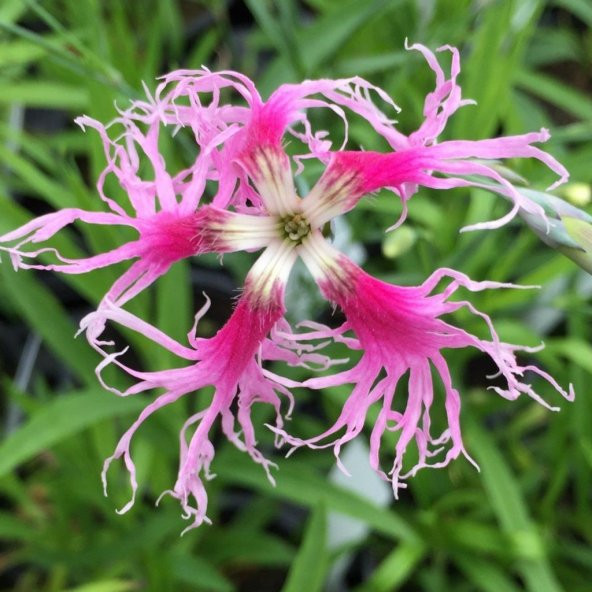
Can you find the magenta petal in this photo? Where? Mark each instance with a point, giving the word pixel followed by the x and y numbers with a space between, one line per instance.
pixel 402 333
pixel 231 362
pixel 419 160
pixel 168 225
pixel 351 175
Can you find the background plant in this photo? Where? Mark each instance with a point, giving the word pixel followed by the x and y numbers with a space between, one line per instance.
pixel 524 523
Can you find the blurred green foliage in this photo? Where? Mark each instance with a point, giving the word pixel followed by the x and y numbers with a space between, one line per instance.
pixel 523 523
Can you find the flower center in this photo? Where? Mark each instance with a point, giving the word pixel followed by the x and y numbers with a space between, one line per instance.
pixel 295 227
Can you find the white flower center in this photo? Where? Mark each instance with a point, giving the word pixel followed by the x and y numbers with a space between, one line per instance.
pixel 290 227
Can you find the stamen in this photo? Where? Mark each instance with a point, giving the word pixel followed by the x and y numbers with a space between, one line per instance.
pixel 295 227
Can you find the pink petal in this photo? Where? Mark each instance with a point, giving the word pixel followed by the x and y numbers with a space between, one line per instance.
pixel 231 361
pixel 401 331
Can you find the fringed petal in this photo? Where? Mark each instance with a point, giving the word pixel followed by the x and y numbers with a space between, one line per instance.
pixel 232 361
pixel 402 332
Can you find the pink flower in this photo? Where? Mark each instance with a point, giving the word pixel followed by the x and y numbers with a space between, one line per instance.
pixel 400 330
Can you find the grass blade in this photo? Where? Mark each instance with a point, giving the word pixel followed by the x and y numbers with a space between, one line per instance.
pixel 308 570
pixel 512 514
pixel 59 419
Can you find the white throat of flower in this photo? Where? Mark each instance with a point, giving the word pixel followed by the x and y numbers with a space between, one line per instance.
pixel 292 227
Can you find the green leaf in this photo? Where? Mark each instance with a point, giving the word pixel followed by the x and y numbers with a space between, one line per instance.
pixel 327 34
pixel 96 63
pixel 510 508
pixel 485 575
pixel 174 308
pixel 14 528
pixel 44 93
pixel 247 546
pixel 36 181
pixel 36 148
pixel 555 92
pixel 297 482
pixel 551 45
pixel 198 573
pixel 581 8
pixel 59 419
pixel 282 37
pixel 42 311
pixel 309 567
pixel 82 62
pixel 395 569
pixel 19 52
pixel 575 350
pixel 106 586
pixel 91 285
pixel 11 10
pixel 476 537
pixel 203 48
pixel 372 64
pixel 491 38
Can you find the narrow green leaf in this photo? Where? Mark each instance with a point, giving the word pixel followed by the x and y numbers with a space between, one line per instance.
pixel 35 180
pixel 15 528
pixel 36 148
pixel 106 586
pixel 555 92
pixel 44 93
pixel 204 47
pixel 146 538
pixel 579 131
pixel 95 62
pixel 174 307
pixel 575 350
pixel 371 64
pixel 491 38
pixel 11 10
pixel 19 52
pixel 280 36
pixel 58 419
pixel 83 63
pixel 90 285
pixel 476 537
pixel 309 567
pixel 581 8
pixel 42 311
pixel 553 44
pixel 299 483
pixel 198 573
pixel 247 546
pixel 511 511
pixel 395 569
pixel 327 34
pixel 485 574
pixel 500 484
